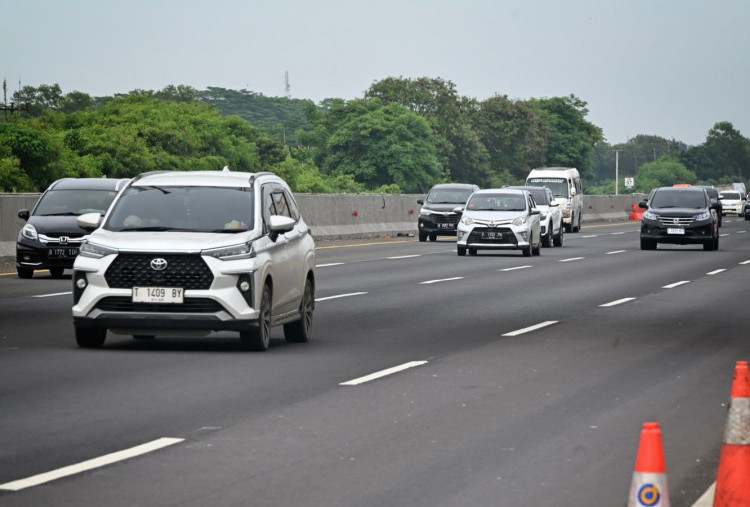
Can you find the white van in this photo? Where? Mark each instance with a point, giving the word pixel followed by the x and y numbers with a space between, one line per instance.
pixel 565 183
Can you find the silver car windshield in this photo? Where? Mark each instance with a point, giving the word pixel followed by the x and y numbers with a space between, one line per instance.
pixel 497 202
pixel 183 208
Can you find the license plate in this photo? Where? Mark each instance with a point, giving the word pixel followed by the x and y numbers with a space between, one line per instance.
pixel 492 235
pixel 157 294
pixel 446 226
pixel 675 231
pixel 62 253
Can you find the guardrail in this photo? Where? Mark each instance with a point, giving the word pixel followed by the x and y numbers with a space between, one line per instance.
pixel 337 216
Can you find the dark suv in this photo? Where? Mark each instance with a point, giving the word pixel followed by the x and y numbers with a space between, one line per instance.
pixel 438 216
pixel 680 216
pixel 51 237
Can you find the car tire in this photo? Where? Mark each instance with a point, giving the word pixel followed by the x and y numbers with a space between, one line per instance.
pixel 461 251
pixel 648 244
pixel 258 337
pixel 538 249
pixel 472 251
pixel 568 227
pixel 558 240
pixel 709 245
pixel 56 272
pixel 547 238
pixel 526 251
pixel 300 331
pixel 716 243
pixel 433 237
pixel 422 237
pixel 90 338
pixel 25 272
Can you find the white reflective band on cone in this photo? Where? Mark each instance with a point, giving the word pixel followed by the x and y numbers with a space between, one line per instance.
pixel 737 431
pixel 649 490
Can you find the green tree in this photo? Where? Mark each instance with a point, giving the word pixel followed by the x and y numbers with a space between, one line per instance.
pixel 386 145
pixel 572 138
pixel 725 156
pixel 664 172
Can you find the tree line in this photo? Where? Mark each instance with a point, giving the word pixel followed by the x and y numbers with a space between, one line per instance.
pixel 402 136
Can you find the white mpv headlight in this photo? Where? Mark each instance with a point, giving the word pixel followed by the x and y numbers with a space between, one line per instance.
pixel 89 249
pixel 228 253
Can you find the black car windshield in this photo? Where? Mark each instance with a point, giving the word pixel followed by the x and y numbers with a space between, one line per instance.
pixel 497 202
pixel 183 208
pixel 448 196
pixel 559 186
pixel 679 199
pixel 74 202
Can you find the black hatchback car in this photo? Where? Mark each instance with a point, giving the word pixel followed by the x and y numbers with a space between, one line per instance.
pixel 438 216
pixel 51 237
pixel 680 216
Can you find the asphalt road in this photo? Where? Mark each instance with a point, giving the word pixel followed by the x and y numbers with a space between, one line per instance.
pixel 480 414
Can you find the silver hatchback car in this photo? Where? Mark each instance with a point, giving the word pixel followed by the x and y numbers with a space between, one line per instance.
pixel 500 219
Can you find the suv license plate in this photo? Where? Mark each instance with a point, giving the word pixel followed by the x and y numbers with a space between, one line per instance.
pixel 157 295
pixel 675 231
pixel 65 253
pixel 446 226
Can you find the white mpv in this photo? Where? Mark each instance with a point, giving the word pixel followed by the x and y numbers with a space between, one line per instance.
pixel 185 253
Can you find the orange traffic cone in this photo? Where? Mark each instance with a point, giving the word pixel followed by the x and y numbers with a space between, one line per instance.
pixel 733 481
pixel 649 485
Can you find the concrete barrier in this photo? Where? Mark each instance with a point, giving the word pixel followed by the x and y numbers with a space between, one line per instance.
pixel 339 216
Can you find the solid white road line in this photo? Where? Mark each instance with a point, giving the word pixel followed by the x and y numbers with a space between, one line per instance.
pixel 51 295
pixel 615 252
pixel 90 464
pixel 513 269
pixel 590 236
pixel 531 328
pixel 716 272
pixel 383 373
pixel 341 296
pixel 571 259
pixel 676 284
pixel 744 262
pixel 616 233
pixel 329 264
pixel 404 256
pixel 617 302
pixel 428 282
pixel 725 234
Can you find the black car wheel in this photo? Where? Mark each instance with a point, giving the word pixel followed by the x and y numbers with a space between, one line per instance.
pixel 25 272
pixel 558 240
pixel 461 250
pixel 89 338
pixel 433 236
pixel 258 337
pixel 526 251
pixel 56 272
pixel 547 238
pixel 422 237
pixel 300 331
pixel 648 244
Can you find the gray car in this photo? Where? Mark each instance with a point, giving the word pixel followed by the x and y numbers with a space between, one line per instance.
pixel 500 219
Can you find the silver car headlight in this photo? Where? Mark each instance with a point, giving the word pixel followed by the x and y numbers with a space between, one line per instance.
pixel 228 253
pixel 29 232
pixel 702 217
pixel 89 249
pixel 466 220
pixel 650 216
pixel 520 220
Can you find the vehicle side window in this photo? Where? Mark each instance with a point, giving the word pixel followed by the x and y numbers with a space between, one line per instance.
pixel 267 206
pixel 293 210
pixel 280 202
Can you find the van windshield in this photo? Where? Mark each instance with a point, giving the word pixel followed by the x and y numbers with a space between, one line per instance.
pixel 559 186
pixel 448 196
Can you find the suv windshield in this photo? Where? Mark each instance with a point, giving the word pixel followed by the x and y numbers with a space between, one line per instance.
pixel 559 186
pixel 448 196
pixel 497 202
pixel 183 208
pixel 74 202
pixel 679 199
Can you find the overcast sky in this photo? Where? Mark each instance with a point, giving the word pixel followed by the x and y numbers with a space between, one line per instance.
pixel 671 68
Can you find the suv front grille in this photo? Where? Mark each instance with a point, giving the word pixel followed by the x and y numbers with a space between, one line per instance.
pixel 190 305
pixel 446 219
pixel 187 271
pixel 680 221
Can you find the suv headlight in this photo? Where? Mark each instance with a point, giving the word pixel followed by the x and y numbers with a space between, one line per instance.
pixel 425 211
pixel 650 216
pixel 466 220
pixel 702 217
pixel 89 249
pixel 228 253
pixel 520 220
pixel 29 232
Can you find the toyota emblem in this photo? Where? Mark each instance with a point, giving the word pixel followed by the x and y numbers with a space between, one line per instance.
pixel 159 264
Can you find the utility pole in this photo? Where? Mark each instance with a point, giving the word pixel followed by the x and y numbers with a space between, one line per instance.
pixel 617 171
pixel 287 87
